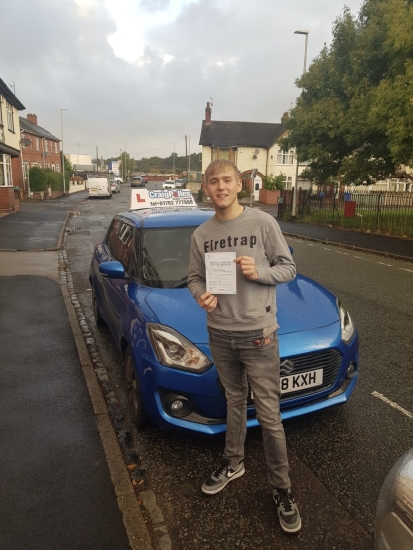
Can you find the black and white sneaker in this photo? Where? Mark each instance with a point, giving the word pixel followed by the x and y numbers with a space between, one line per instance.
pixel 225 473
pixel 287 510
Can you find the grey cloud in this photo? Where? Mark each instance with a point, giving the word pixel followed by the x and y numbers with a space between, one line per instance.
pixel 243 54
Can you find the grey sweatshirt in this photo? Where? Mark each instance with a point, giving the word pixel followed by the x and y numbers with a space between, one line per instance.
pixel 253 233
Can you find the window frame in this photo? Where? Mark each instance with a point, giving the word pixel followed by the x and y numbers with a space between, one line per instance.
pixel 10 117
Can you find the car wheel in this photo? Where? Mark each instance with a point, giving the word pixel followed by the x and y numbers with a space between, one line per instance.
pixel 98 317
pixel 136 406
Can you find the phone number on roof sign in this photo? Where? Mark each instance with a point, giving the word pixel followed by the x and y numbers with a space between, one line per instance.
pixel 170 194
pixel 172 203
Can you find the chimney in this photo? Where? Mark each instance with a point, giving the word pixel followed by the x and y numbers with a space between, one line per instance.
pixel 208 113
pixel 32 118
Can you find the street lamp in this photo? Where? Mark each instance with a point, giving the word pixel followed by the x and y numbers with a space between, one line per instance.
pixel 294 205
pixel 63 156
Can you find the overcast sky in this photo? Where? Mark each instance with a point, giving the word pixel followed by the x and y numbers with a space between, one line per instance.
pixel 141 71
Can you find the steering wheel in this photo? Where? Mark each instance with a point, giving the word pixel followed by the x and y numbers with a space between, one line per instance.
pixel 179 262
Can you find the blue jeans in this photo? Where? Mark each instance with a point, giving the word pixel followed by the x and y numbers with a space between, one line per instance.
pixel 243 356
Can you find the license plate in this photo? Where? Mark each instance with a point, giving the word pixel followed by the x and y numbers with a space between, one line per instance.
pixel 297 382
pixel 93 189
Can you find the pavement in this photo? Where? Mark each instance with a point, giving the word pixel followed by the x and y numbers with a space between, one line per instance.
pixel 64 484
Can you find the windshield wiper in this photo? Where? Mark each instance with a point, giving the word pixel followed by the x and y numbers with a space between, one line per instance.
pixel 184 282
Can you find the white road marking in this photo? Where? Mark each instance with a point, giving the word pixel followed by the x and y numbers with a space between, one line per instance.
pixel 381 263
pixel 309 244
pixel 345 254
pixel 360 257
pixel 326 248
pixel 403 269
pixel 338 252
pixel 392 404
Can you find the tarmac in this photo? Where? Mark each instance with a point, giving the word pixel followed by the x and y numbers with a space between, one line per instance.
pixel 64 484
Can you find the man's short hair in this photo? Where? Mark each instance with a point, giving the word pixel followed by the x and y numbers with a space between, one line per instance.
pixel 218 166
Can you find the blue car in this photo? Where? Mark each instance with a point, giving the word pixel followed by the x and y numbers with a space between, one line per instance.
pixel 139 289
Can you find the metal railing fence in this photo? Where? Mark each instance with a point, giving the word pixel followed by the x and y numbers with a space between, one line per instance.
pixel 383 212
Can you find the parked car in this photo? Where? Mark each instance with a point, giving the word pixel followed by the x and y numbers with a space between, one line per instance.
pixel 144 179
pixel 99 187
pixel 118 179
pixel 138 276
pixel 179 183
pixel 169 184
pixel 394 519
pixel 115 186
pixel 137 181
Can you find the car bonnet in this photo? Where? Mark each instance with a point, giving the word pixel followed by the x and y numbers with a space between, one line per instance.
pixel 302 305
pixel 177 308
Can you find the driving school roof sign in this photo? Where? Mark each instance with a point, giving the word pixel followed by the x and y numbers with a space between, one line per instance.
pixel 144 198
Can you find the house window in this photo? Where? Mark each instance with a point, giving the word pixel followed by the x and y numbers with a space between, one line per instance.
pixel 55 147
pixel 47 164
pixel 25 170
pixel 46 146
pixel 1 123
pixel 37 144
pixel 288 181
pixel 225 153
pixel 285 157
pixel 53 167
pixel 6 179
pixel 10 119
pixel 23 140
pixel 57 167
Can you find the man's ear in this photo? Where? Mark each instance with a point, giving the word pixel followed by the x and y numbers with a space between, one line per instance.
pixel 205 188
pixel 239 185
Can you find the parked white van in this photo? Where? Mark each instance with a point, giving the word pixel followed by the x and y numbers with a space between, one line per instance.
pixel 99 187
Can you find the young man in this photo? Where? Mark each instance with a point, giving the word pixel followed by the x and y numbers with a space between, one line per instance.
pixel 242 329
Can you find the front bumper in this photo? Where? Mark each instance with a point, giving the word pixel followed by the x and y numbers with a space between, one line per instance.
pixel 204 407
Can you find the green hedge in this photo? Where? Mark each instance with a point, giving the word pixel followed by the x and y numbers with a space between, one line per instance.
pixel 40 179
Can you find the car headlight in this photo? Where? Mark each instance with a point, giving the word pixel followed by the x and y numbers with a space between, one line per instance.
pixel 347 325
pixel 174 350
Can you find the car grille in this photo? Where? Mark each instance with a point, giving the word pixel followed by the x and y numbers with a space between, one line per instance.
pixel 328 360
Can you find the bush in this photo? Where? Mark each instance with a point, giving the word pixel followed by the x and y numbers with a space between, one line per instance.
pixel 38 179
pixel 54 180
pixel 271 182
pixel 242 194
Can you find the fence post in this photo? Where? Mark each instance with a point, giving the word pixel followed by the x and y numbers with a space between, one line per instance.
pixel 378 210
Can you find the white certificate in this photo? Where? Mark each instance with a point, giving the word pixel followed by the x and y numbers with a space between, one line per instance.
pixel 221 275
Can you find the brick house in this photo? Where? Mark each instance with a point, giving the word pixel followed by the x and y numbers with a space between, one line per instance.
pixel 9 145
pixel 39 148
pixel 250 145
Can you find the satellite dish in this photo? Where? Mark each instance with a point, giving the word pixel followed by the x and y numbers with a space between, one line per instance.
pixel 256 151
pixel 254 156
pixel 25 142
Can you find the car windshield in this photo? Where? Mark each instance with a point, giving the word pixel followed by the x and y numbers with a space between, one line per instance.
pixel 165 256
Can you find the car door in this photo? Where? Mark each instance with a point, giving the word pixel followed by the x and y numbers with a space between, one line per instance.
pixel 120 307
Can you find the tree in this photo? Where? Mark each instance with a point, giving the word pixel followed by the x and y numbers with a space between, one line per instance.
pixel 354 118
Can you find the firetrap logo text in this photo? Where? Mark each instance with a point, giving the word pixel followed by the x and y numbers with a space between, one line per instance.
pixel 170 194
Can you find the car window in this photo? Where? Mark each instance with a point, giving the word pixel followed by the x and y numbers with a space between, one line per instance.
pixel 112 238
pixel 120 243
pixel 165 256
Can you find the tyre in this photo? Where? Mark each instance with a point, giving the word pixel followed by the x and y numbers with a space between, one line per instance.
pixel 98 318
pixel 136 406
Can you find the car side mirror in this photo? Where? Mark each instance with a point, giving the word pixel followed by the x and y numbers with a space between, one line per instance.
pixel 114 270
pixel 290 248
